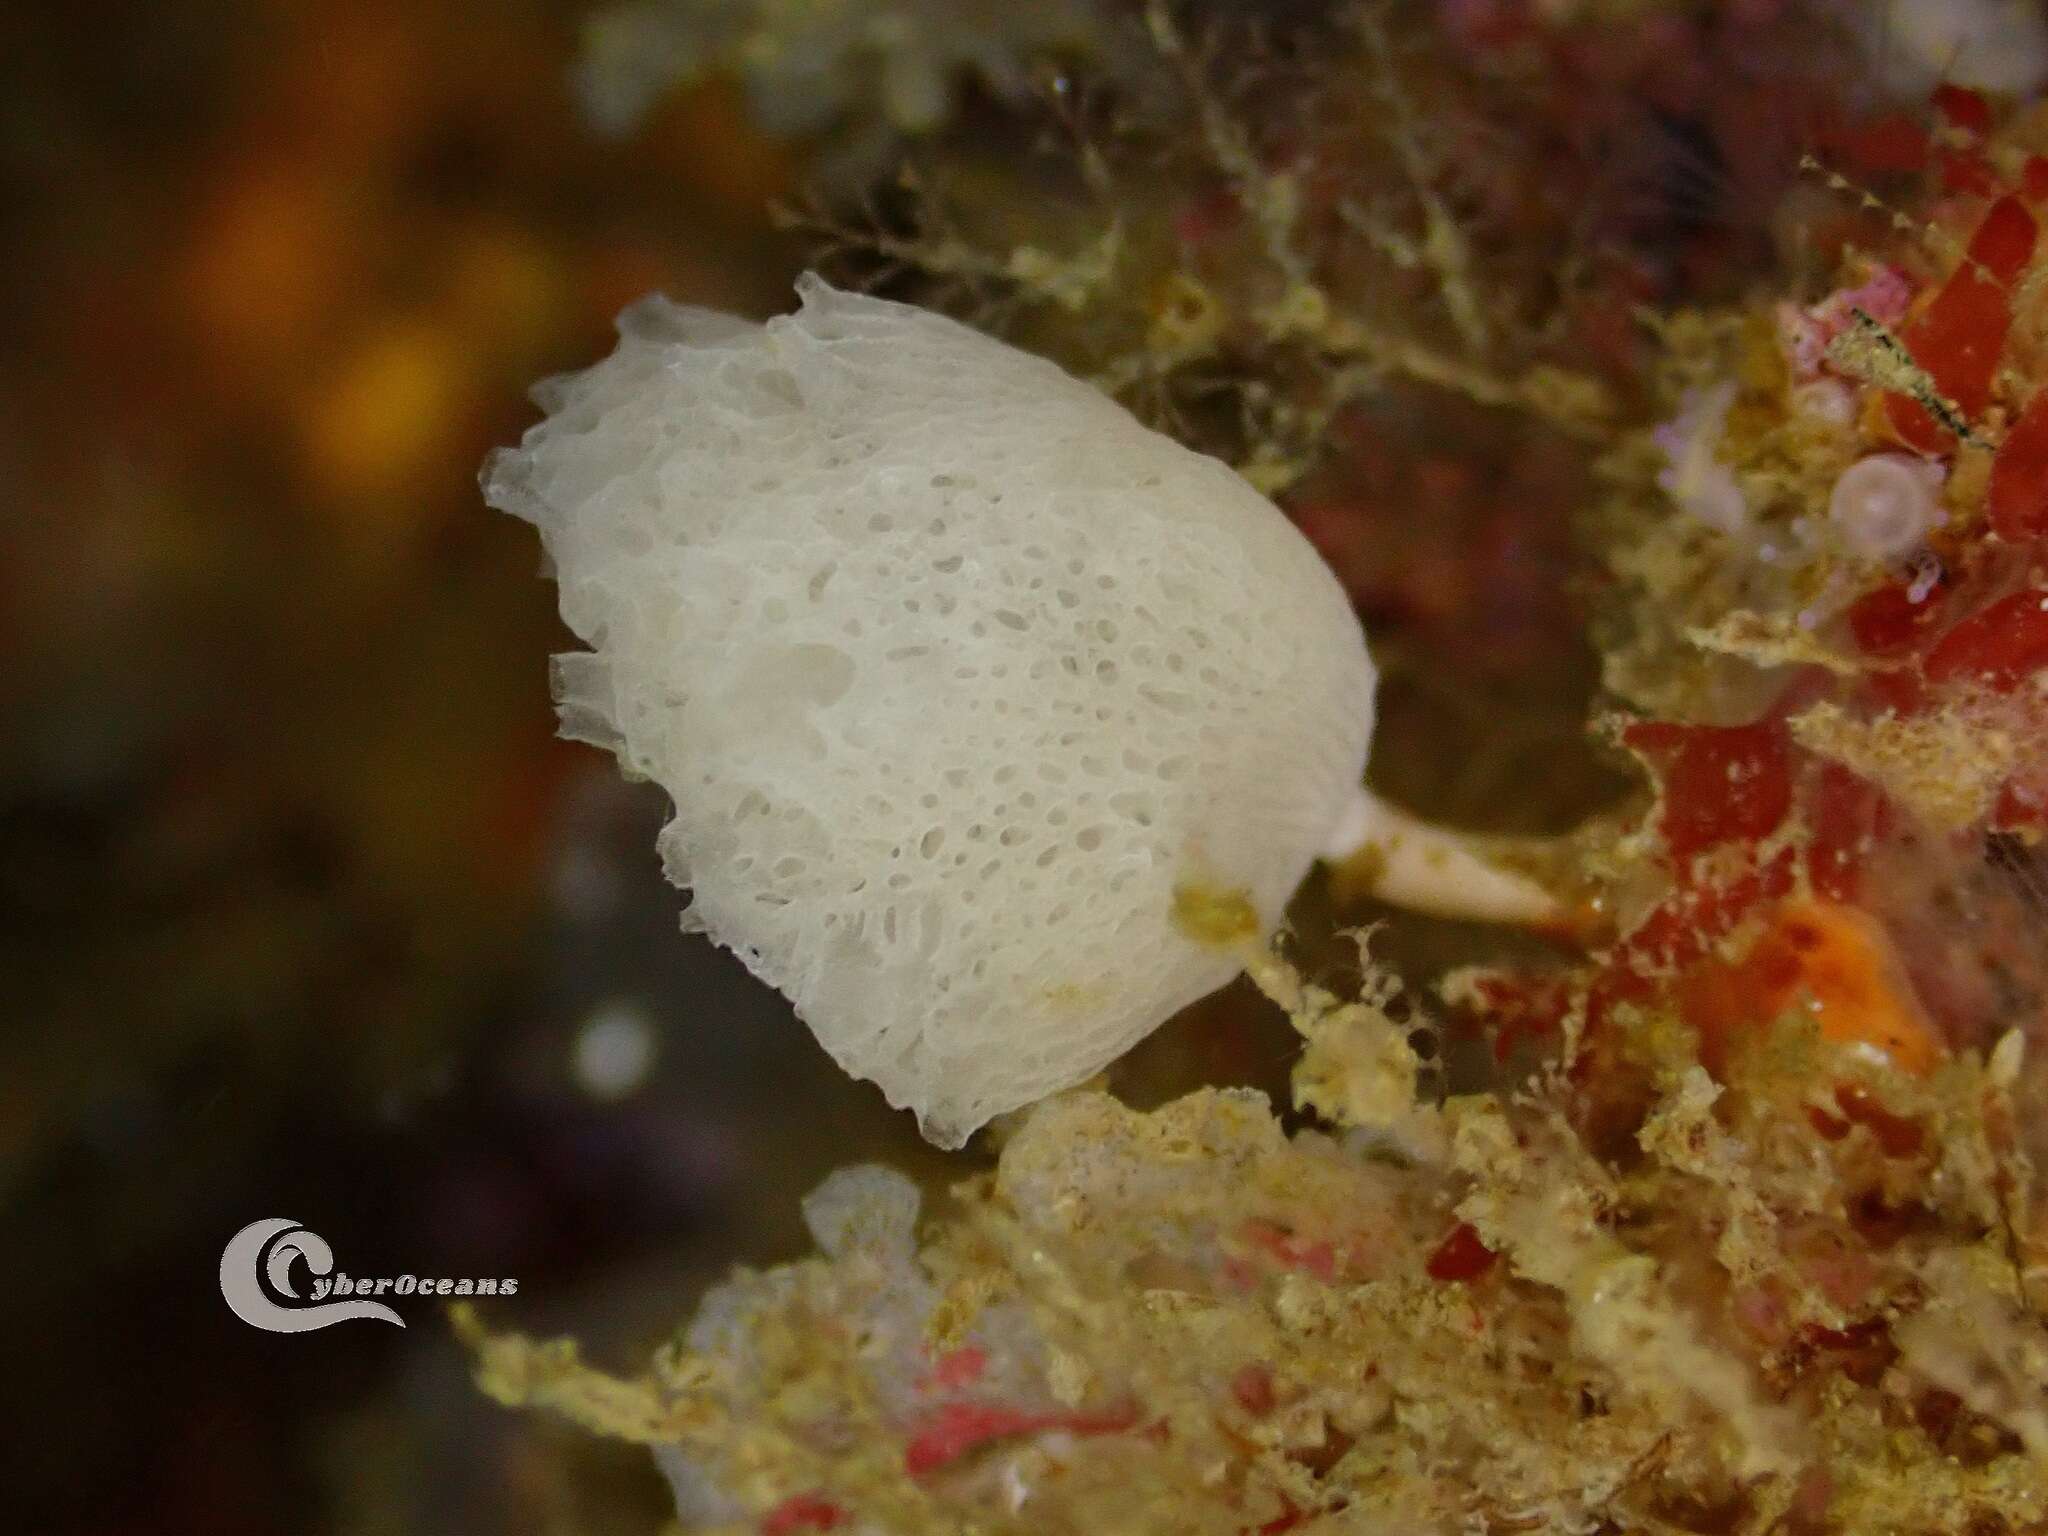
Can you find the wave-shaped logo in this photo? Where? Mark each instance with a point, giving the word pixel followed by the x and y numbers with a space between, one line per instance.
pixel 256 1270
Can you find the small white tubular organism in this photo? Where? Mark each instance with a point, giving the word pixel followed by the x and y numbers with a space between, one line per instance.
pixel 1694 476
pixel 955 673
pixel 1416 864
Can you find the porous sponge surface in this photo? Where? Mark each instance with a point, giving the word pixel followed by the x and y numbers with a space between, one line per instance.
pixel 953 670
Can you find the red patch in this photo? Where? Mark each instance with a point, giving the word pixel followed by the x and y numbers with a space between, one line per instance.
pixel 1682 929
pixel 1900 689
pixel 1963 109
pixel 1894 143
pixel 2020 807
pixel 1461 1256
pixel 952 1431
pixel 2034 178
pixel 1252 1388
pixel 1959 337
pixel 2017 501
pixel 956 1368
pixel 801 1512
pixel 1888 620
pixel 1863 1351
pixel 2004 242
pixel 1829 1127
pixel 1846 814
pixel 1966 173
pixel 1721 783
pixel 1318 1258
pixel 2000 646
pixel 1521 1008
pixel 1897 1135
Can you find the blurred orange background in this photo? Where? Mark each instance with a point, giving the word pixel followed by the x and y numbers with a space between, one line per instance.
pixel 305 912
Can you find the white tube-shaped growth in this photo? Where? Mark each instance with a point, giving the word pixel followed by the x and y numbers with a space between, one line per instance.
pixel 1417 864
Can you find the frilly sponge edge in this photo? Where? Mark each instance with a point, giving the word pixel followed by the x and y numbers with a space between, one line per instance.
pixel 953 671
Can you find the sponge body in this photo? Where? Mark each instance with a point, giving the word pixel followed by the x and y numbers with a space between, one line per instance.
pixel 953 670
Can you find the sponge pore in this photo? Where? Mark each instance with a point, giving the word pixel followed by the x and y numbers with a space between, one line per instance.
pixel 953 670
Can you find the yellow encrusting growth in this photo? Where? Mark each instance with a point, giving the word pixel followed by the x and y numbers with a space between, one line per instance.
pixel 1214 918
pixel 1191 1321
pixel 1946 767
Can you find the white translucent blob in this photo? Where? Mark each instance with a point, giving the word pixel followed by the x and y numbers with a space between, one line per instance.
pixel 1886 504
pixel 614 1051
pixel 1988 45
pixel 1826 400
pixel 953 671
pixel 1694 476
pixel 866 1209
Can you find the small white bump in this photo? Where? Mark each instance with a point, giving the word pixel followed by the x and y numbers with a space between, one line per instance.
pixel 614 1051
pixel 1885 505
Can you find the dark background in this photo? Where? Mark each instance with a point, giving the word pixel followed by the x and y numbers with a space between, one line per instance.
pixel 302 910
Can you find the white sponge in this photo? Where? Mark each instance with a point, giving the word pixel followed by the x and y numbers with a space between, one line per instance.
pixel 953 670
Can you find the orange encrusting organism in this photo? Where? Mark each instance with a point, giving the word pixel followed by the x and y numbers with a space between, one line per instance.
pixel 1827 960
